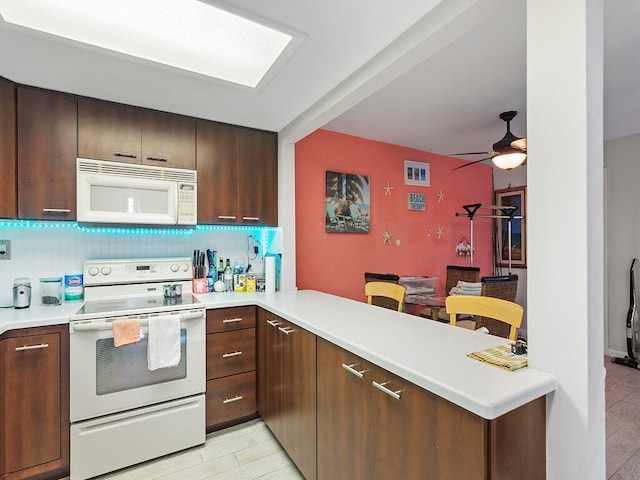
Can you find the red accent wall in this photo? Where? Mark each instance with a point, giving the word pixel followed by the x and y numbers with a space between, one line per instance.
pixel 335 262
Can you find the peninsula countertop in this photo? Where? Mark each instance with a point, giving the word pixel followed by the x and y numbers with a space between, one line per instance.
pixel 430 354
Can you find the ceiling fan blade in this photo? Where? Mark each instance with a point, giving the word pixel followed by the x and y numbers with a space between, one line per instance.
pixel 472 163
pixel 472 153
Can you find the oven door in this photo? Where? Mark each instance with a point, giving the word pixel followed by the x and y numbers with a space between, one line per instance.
pixel 106 379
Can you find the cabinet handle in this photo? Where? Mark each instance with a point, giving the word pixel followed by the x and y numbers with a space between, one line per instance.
pixel 273 323
pixel 227 217
pixel 232 354
pixel 286 330
pixel 234 399
pixel 350 369
pixel 157 159
pixel 125 155
pixel 56 210
pixel 381 386
pixel 251 219
pixel 232 320
pixel 32 347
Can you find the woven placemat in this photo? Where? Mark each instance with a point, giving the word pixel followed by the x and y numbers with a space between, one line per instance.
pixel 501 356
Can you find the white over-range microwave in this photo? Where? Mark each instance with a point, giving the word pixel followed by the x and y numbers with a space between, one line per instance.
pixel 123 193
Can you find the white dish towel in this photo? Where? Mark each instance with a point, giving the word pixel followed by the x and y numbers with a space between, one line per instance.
pixel 163 349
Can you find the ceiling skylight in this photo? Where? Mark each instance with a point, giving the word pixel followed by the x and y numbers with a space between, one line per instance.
pixel 187 34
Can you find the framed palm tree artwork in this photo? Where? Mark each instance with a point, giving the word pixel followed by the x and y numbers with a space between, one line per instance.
pixel 347 203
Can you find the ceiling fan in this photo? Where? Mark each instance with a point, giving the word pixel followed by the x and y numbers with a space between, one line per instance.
pixel 508 152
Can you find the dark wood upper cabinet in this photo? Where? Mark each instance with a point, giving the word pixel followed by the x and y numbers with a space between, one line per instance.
pixel 258 177
pixel 237 175
pixel 47 150
pixel 110 131
pixel 168 140
pixel 216 144
pixel 8 179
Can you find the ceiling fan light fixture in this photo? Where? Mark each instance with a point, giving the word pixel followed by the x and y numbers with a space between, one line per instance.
pixel 509 160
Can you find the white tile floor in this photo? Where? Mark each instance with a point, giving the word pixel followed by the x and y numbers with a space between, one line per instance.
pixel 245 452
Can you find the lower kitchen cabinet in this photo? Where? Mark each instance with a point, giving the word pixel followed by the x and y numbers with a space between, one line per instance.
pixel 34 403
pixel 287 388
pixel 231 366
pixel 375 425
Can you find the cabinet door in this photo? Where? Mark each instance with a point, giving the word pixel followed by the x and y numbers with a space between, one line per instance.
pixel 299 397
pixel 31 416
pixel 8 180
pixel 258 177
pixel 345 421
pixel 168 140
pixel 217 148
pixel 270 371
pixel 420 435
pixel 47 151
pixel 108 131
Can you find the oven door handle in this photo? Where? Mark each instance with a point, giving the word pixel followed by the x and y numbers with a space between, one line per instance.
pixel 107 324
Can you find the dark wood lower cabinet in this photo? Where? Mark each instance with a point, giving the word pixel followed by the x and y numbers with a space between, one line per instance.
pixel 34 403
pixel 287 387
pixel 375 425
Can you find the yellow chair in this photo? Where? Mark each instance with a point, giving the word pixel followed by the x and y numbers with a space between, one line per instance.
pixel 496 308
pixel 387 290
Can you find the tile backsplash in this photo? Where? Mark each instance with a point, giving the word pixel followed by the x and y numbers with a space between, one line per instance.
pixel 50 251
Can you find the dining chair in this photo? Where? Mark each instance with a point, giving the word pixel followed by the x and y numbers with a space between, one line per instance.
pixel 392 292
pixel 504 287
pixel 455 274
pixel 503 310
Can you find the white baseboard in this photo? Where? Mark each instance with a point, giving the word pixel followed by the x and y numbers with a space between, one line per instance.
pixel 616 353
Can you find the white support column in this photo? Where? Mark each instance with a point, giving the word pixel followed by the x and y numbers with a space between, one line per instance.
pixel 565 227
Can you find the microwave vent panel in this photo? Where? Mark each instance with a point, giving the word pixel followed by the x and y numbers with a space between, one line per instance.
pixel 136 171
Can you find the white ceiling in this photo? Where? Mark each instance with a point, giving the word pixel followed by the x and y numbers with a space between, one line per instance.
pixel 447 103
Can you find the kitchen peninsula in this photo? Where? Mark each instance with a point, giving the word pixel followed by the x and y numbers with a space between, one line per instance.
pixel 466 416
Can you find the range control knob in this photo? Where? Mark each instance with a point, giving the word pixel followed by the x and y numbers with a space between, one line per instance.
pixel 185 267
pixel 105 270
pixel 174 267
pixel 93 271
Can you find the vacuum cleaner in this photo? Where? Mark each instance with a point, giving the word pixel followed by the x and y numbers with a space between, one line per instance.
pixel 633 335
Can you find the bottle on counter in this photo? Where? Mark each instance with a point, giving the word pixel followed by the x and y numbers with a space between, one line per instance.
pixel 228 277
pixel 221 269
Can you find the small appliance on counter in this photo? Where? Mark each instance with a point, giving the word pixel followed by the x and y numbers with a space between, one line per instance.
pixel 21 293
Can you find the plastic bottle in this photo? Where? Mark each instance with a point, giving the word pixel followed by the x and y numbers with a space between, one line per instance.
pixel 228 277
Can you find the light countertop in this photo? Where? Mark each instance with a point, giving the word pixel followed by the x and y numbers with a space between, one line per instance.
pixel 427 353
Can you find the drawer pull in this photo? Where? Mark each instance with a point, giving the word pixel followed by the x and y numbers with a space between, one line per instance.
pixel 227 217
pixel 251 219
pixel 350 369
pixel 157 159
pixel 391 393
pixel 273 323
pixel 232 320
pixel 125 155
pixel 232 354
pixel 32 347
pixel 234 399
pixel 286 330
pixel 56 210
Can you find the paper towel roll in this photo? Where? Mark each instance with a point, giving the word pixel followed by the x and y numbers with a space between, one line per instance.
pixel 270 274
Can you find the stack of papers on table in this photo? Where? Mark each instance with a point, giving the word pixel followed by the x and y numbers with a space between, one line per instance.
pixel 466 288
pixel 501 356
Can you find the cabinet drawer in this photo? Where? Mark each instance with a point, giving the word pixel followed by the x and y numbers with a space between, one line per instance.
pixel 225 319
pixel 230 398
pixel 229 353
